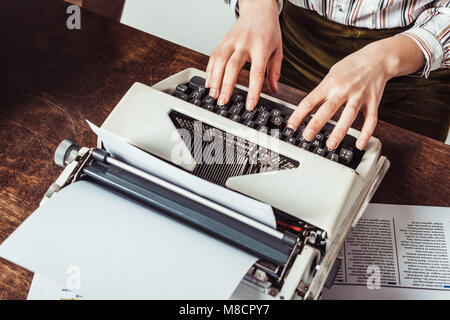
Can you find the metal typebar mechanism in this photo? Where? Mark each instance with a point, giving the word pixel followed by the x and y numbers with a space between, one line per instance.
pixel 183 205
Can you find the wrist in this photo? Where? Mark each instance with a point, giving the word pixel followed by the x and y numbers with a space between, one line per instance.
pixel 397 56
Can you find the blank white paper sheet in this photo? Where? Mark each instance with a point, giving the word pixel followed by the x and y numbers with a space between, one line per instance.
pixel 122 249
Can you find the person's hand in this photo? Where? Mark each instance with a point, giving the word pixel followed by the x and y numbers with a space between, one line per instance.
pixel 255 37
pixel 356 83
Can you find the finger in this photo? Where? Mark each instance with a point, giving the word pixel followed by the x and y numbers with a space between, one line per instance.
pixel 309 103
pixel 274 69
pixel 368 128
pixel 348 116
pixel 325 112
pixel 210 66
pixel 257 73
pixel 218 69
pixel 234 65
pixel 208 70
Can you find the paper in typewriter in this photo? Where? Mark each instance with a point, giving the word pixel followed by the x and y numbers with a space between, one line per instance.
pixel 125 152
pixel 110 247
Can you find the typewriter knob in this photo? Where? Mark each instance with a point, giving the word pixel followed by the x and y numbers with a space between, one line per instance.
pixel 66 152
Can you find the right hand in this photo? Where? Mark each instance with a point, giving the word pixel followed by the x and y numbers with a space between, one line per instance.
pixel 255 37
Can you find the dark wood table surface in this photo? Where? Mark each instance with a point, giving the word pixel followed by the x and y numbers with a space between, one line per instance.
pixel 52 79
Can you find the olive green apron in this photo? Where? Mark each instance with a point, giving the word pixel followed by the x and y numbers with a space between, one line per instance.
pixel 312 44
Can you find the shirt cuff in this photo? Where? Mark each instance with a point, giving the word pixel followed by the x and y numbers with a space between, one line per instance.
pixel 431 47
pixel 234 5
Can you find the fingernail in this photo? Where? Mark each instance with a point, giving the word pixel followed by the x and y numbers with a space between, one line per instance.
pixel 222 100
pixel 308 134
pixel 332 143
pixel 290 126
pixel 213 93
pixel 250 104
pixel 359 145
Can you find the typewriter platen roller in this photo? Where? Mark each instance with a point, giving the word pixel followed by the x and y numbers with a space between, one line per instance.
pixel 316 195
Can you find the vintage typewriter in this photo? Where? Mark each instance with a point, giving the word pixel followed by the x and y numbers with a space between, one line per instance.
pixel 316 194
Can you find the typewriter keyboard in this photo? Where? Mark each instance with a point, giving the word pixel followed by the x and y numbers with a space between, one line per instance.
pixel 271 118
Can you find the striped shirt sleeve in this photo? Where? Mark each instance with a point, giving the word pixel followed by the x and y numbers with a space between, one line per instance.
pixel 234 5
pixel 431 32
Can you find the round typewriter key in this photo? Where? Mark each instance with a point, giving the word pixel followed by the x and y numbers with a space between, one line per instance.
pixel 236 109
pixel 333 157
pixel 222 112
pixel 249 123
pixel 236 117
pixel 262 128
pixel 248 114
pixel 237 98
pixel 182 96
pixel 275 113
pixel 182 88
pixel 305 145
pixel 288 132
pixel 196 101
pixel 319 151
pixel 276 121
pixel 208 99
pixel 195 95
pixel 261 121
pixel 261 108
pixel 209 107
pixel 290 140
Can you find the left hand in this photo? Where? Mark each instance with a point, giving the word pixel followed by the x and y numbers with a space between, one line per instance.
pixel 357 83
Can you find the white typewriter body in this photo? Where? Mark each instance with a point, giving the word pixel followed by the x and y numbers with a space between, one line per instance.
pixel 320 192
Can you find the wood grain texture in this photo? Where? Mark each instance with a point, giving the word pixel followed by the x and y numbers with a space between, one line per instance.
pixel 52 79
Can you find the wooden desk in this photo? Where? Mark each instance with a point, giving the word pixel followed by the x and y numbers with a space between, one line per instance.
pixel 52 79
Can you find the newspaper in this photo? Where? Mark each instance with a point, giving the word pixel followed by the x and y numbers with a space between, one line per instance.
pixel 396 252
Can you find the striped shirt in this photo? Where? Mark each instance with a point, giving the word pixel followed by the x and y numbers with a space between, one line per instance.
pixel 429 21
